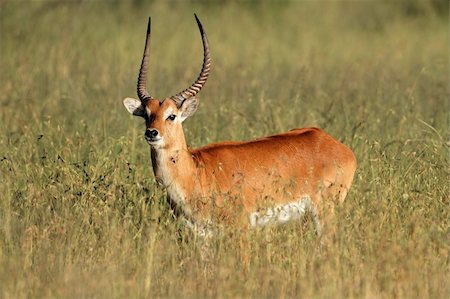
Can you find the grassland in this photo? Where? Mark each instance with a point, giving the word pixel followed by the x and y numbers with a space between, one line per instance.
pixel 80 214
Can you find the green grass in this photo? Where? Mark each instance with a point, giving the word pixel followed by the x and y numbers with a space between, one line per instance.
pixel 80 213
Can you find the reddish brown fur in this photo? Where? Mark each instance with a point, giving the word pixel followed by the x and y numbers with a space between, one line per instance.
pixel 226 181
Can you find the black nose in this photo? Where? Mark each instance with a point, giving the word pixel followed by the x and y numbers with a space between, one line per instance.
pixel 151 133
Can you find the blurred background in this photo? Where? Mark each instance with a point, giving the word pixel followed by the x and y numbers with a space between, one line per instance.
pixel 63 60
pixel 79 205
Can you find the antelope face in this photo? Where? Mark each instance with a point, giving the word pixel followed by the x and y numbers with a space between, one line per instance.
pixel 162 119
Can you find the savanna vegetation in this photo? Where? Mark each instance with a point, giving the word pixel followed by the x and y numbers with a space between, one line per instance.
pixel 81 215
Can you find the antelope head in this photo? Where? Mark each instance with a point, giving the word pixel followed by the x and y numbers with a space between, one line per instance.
pixel 164 118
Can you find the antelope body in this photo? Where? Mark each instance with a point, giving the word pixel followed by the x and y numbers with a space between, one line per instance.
pixel 267 180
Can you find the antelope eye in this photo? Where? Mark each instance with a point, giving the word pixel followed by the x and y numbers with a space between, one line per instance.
pixel 172 117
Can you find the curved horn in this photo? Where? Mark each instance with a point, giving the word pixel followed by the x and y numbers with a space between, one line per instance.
pixel 142 79
pixel 204 73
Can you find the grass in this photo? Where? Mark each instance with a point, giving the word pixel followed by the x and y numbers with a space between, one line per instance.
pixel 80 213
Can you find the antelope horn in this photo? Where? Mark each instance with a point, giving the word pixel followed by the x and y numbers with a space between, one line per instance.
pixel 142 79
pixel 204 73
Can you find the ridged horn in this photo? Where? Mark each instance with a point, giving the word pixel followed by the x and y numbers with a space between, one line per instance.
pixel 142 79
pixel 204 73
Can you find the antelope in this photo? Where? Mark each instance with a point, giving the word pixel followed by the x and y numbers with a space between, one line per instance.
pixel 270 180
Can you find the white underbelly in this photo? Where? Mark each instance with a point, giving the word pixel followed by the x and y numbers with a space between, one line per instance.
pixel 282 213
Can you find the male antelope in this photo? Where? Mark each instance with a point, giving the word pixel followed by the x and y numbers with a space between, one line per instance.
pixel 268 180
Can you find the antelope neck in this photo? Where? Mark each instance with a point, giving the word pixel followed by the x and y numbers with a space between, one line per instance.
pixel 171 164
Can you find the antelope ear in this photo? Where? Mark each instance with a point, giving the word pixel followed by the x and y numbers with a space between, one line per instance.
pixel 188 107
pixel 134 106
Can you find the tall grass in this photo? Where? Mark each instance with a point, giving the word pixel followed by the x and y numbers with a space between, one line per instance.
pixel 80 213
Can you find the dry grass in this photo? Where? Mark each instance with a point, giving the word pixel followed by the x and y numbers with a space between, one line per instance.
pixel 80 214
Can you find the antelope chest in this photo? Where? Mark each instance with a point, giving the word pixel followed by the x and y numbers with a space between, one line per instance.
pixel 166 176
